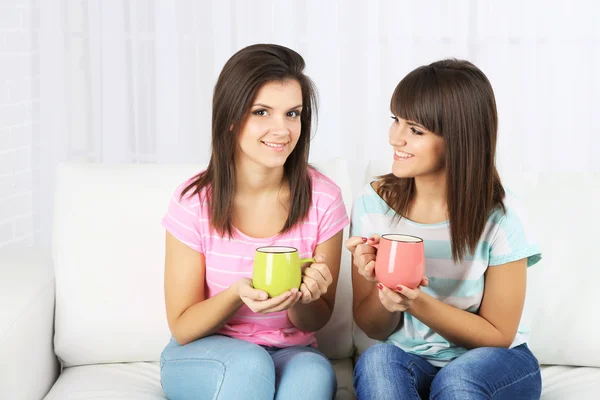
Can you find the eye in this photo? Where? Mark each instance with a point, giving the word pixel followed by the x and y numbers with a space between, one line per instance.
pixel 293 114
pixel 394 118
pixel 415 131
pixel 262 112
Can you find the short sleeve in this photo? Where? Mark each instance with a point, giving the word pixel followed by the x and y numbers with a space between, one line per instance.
pixel 182 219
pixel 333 219
pixel 513 239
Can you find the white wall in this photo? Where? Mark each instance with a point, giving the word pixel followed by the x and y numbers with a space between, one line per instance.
pixel 19 122
pixel 131 80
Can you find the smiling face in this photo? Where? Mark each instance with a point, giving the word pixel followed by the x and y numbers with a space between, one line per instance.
pixel 417 151
pixel 271 129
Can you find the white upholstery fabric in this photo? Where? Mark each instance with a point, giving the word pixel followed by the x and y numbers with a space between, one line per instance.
pixel 141 381
pixel 26 324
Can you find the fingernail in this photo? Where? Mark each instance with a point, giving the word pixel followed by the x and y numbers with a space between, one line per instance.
pixel 379 286
pixel 263 296
pixel 399 288
pixel 371 239
pixel 364 239
pixel 294 290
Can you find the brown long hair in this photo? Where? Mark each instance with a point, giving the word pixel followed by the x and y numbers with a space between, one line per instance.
pixel 241 78
pixel 455 100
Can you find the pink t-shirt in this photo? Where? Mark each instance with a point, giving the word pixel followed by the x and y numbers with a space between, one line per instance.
pixel 228 260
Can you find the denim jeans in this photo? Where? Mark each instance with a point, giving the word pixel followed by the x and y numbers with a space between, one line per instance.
pixel 385 371
pixel 222 368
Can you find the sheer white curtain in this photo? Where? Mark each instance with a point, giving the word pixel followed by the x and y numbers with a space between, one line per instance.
pixel 131 80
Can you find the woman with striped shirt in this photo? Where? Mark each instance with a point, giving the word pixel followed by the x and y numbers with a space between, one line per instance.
pixel 230 341
pixel 460 335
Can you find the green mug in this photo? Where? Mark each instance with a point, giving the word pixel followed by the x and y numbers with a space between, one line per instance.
pixel 277 269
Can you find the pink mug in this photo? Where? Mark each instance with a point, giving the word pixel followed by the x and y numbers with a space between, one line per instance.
pixel 400 260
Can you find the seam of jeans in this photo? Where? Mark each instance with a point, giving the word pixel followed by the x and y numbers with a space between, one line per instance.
pixel 421 369
pixel 414 379
pixel 536 372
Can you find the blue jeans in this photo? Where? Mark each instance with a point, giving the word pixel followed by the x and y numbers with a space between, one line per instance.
pixel 385 371
pixel 223 368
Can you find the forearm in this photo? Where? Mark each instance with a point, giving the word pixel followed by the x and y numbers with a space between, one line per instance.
pixel 373 318
pixel 310 317
pixel 461 327
pixel 206 317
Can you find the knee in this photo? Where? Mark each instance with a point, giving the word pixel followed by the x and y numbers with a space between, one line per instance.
pixel 306 375
pixel 461 375
pixel 375 363
pixel 378 356
pixel 252 360
pixel 191 374
pixel 316 369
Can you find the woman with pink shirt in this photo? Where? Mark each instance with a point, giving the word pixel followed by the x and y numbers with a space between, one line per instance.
pixel 230 341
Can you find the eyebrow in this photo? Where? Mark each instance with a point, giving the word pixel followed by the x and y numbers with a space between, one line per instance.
pixel 270 108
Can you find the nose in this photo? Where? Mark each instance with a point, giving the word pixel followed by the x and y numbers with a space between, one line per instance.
pixel 397 137
pixel 279 127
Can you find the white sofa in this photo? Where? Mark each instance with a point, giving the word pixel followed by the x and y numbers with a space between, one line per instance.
pixel 88 321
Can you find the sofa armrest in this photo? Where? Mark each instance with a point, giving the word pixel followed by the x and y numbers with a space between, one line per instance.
pixel 28 366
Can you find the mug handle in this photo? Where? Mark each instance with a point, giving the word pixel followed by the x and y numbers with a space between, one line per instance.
pixel 307 260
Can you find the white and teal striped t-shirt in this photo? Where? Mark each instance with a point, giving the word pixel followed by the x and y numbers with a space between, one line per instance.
pixel 504 239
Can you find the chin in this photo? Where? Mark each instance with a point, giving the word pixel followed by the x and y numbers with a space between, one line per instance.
pixel 274 162
pixel 400 172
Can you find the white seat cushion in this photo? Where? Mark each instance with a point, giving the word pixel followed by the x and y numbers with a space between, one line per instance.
pixel 141 381
pixel 566 383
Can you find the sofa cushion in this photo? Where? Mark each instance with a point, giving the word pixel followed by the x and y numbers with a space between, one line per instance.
pixel 108 253
pixel 141 381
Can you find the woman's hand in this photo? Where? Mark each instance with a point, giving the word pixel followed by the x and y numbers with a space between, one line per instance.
pixel 401 299
pixel 364 255
pixel 316 279
pixel 258 300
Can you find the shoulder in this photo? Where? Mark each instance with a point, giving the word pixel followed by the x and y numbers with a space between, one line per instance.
pixel 185 193
pixel 323 187
pixel 513 213
pixel 368 199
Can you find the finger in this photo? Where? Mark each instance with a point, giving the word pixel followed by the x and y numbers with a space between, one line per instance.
pixel 260 306
pixel 364 249
pixel 251 293
pixel 388 304
pixel 362 261
pixel 288 303
pixel 390 294
pixel 308 295
pixel 425 281
pixel 373 239
pixel 324 271
pixel 319 258
pixel 354 241
pixel 320 273
pixel 410 294
pixel 369 271
pixel 313 286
